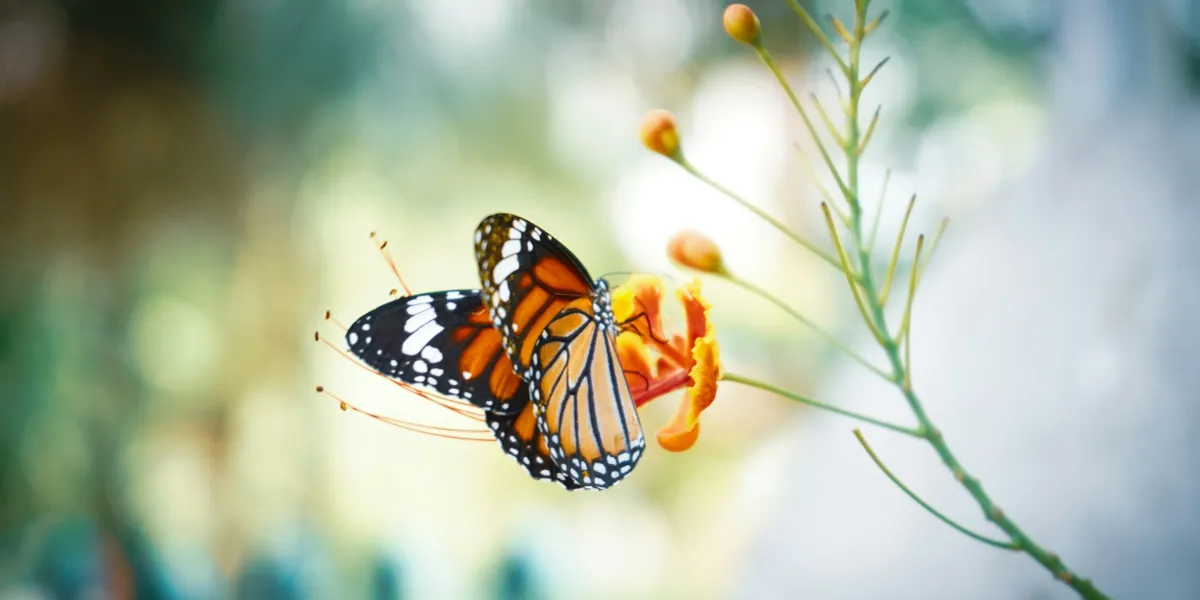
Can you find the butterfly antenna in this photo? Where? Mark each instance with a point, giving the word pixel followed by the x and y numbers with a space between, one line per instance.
pixel 329 317
pixel 659 274
pixel 454 433
pixel 645 380
pixel 455 405
pixel 387 257
pixel 633 329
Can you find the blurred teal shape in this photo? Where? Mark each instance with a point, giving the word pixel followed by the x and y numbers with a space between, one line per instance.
pixel 387 579
pixel 295 566
pixel 69 564
pixel 517 579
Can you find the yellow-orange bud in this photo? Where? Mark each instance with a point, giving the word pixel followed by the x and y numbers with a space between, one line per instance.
pixel 741 23
pixel 697 251
pixel 659 133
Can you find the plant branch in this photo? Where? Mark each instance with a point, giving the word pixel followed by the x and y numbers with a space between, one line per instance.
pixel 808 124
pixel 824 191
pixel 867 296
pixel 887 177
pixel 887 282
pixel 819 34
pixel 795 314
pixel 811 247
pixel 851 278
pixel 833 131
pixel 918 271
pixel 874 314
pixel 754 383
pixel 933 511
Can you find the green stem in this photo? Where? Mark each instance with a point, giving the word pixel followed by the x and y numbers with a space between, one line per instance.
pixel 754 383
pixel 808 124
pixel 900 373
pixel 933 511
pixel 811 247
pixel 795 314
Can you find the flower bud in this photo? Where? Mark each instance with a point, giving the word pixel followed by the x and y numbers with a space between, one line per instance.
pixel 741 23
pixel 697 251
pixel 659 133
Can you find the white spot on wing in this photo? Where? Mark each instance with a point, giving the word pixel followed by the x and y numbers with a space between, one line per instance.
pixel 519 224
pixel 504 268
pixel 450 305
pixel 505 294
pixel 353 337
pixel 418 340
pixel 420 367
pixel 511 247
pixel 430 353
pixel 418 321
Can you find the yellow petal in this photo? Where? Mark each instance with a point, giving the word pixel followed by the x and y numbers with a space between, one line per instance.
pixel 704 374
pixel 640 295
pixel 634 355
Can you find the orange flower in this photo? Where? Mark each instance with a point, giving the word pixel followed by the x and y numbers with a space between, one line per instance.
pixel 656 365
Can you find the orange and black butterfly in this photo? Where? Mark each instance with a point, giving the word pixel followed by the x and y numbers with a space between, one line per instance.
pixel 536 350
pixel 558 330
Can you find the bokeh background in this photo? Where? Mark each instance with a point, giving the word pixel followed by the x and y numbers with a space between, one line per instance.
pixel 186 187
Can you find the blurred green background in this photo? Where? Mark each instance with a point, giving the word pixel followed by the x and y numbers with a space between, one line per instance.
pixel 185 188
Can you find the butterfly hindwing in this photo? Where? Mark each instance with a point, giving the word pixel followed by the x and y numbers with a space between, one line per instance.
pixel 521 437
pixel 442 341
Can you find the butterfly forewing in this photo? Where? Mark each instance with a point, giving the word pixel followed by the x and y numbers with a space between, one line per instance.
pixel 528 277
pixel 442 341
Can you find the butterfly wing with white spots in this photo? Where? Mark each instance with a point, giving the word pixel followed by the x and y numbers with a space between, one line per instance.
pixel 527 278
pixel 442 341
pixel 559 331
pixel 521 438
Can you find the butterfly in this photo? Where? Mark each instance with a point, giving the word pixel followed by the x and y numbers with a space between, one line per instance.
pixel 558 330
pixel 535 349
